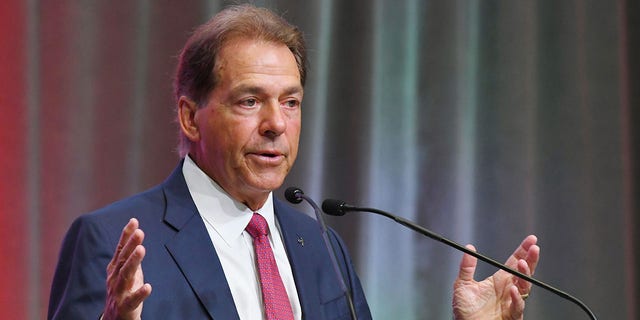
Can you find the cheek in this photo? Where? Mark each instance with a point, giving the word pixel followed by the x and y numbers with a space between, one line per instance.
pixel 234 137
pixel 294 139
pixel 221 141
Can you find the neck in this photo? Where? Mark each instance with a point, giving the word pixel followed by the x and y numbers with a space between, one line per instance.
pixel 254 204
pixel 252 198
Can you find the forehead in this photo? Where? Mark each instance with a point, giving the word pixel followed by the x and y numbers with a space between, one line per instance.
pixel 241 55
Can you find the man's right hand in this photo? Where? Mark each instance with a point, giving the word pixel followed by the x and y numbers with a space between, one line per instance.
pixel 126 289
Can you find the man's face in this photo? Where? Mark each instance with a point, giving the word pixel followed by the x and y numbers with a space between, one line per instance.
pixel 249 129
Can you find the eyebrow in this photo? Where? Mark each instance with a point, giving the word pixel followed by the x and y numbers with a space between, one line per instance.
pixel 251 89
pixel 293 90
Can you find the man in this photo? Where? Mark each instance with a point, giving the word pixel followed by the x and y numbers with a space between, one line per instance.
pixel 239 87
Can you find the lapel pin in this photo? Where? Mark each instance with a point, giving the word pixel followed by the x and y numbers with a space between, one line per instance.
pixel 300 240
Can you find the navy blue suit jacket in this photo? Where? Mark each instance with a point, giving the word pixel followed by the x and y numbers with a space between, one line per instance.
pixel 181 263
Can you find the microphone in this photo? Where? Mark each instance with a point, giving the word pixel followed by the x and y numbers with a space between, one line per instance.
pixel 339 208
pixel 293 195
pixel 296 195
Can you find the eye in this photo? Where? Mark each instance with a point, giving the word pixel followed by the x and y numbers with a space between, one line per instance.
pixel 250 102
pixel 292 103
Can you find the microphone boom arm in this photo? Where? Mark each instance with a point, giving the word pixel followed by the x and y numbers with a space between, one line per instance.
pixel 343 207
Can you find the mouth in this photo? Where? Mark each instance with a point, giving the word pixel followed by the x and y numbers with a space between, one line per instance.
pixel 268 157
pixel 269 154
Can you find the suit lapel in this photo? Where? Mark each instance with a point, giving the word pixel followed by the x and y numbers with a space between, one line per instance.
pixel 301 241
pixel 193 252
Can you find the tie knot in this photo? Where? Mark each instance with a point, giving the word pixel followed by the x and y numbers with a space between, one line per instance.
pixel 258 226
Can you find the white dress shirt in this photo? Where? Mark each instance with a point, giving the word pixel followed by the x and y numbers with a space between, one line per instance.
pixel 226 219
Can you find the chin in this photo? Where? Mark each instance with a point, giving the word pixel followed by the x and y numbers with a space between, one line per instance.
pixel 267 184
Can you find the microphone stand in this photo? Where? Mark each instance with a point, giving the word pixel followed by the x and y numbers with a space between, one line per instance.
pixel 295 195
pixel 337 207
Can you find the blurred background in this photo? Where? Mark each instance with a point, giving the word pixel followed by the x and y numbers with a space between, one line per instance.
pixel 483 121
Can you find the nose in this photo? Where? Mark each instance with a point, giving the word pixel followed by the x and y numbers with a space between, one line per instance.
pixel 273 121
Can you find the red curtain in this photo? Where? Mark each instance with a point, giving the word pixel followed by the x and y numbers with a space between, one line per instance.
pixel 14 246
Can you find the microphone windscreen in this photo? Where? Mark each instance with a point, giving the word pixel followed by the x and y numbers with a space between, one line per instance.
pixel 333 207
pixel 292 194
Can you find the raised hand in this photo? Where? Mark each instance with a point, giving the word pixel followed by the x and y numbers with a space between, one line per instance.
pixel 126 289
pixel 500 296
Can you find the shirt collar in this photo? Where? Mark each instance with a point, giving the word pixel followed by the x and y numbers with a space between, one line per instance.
pixel 227 216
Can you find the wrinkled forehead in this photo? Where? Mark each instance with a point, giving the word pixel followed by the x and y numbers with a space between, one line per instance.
pixel 242 55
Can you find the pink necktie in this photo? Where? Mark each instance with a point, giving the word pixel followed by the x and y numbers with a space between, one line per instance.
pixel 274 295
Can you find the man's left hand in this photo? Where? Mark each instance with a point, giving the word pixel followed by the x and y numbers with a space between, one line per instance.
pixel 500 296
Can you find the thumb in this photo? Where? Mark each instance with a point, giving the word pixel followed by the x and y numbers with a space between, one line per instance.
pixel 468 266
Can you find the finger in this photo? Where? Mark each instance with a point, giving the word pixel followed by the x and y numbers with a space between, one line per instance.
pixel 525 245
pixel 468 265
pixel 122 280
pixel 524 286
pixel 522 250
pixel 134 240
pixel 533 256
pixel 133 263
pixel 134 300
pixel 128 275
pixel 127 231
pixel 517 303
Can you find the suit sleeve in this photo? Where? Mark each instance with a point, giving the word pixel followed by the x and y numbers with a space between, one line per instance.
pixel 78 290
pixel 351 278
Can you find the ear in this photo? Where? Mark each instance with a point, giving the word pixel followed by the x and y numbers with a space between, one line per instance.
pixel 187 118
